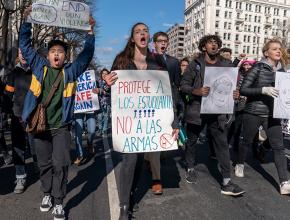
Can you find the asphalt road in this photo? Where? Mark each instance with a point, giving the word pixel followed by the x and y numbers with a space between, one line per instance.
pixel 92 192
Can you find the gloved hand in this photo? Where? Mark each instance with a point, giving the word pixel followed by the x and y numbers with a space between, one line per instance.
pixel 270 91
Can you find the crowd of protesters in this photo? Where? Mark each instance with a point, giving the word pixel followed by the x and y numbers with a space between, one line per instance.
pixel 33 77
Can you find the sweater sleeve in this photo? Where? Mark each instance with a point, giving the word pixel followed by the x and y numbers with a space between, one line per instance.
pixel 85 57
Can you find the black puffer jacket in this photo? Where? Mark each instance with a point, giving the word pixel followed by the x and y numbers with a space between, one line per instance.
pixel 193 78
pixel 261 75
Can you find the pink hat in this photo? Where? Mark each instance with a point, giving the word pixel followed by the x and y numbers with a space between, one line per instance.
pixel 251 62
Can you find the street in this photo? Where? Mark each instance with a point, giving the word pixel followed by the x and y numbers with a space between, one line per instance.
pixel 92 191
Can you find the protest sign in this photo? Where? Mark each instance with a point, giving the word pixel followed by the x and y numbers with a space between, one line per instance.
pixel 61 13
pixel 222 82
pixel 282 102
pixel 86 100
pixel 142 112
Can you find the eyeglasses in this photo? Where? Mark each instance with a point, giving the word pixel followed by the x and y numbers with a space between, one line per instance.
pixel 162 41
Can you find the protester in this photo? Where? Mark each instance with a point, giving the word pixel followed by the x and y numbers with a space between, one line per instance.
pixel 184 63
pixel 87 118
pixel 192 84
pixel 226 53
pixel 53 146
pixel 5 108
pixel 105 104
pixel 160 40
pixel 18 82
pixel 258 87
pixel 135 56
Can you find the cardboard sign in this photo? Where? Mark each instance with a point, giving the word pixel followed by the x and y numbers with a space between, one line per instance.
pixel 282 102
pixel 222 82
pixel 60 13
pixel 86 100
pixel 142 112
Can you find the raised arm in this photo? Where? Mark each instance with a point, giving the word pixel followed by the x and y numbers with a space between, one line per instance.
pixel 31 56
pixel 85 57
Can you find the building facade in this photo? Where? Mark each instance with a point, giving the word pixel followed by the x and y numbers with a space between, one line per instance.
pixel 176 41
pixel 244 26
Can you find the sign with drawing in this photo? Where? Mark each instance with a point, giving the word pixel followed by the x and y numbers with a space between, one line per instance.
pixel 142 112
pixel 282 102
pixel 61 13
pixel 86 100
pixel 222 82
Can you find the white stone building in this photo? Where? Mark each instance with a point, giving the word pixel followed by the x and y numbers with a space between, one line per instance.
pixel 243 25
pixel 176 41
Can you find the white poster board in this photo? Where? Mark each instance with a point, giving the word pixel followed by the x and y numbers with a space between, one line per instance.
pixel 282 102
pixel 60 13
pixel 222 82
pixel 85 99
pixel 142 112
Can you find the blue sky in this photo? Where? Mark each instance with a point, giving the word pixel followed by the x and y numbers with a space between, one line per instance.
pixel 116 17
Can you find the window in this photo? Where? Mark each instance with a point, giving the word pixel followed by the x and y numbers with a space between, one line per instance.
pixel 217 24
pixel 225 25
pixel 226 14
pixel 237 37
pixel 248 49
pixel 285 13
pixel 217 13
pixel 229 36
pixel 230 14
pixel 245 38
pixel 229 25
pixel 249 38
pixel 218 2
pixel 225 36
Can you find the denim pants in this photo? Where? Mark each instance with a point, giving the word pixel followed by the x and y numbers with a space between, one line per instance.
pixel 90 120
pixel 103 118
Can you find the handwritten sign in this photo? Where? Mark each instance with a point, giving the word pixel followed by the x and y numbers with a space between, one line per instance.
pixel 222 82
pixel 61 13
pixel 282 102
pixel 86 100
pixel 142 112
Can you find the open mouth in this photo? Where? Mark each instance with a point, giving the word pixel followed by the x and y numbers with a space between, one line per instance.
pixel 162 48
pixel 143 40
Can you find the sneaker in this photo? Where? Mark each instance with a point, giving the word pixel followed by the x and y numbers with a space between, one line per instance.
pixel 46 204
pixel 285 188
pixel 20 185
pixel 232 189
pixel 58 212
pixel 239 170
pixel 191 176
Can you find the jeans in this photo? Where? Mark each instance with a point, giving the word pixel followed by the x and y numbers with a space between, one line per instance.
pixel 18 137
pixel 79 126
pixel 103 118
pixel 219 142
pixel 53 156
pixel 273 130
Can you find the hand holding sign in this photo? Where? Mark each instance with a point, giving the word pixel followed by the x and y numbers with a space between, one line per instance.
pixel 27 12
pixel 111 78
pixel 61 13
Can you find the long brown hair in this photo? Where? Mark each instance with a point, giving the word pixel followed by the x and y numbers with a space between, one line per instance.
pixel 123 59
pixel 266 47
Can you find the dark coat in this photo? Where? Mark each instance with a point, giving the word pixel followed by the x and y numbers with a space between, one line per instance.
pixel 193 78
pixel 261 75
